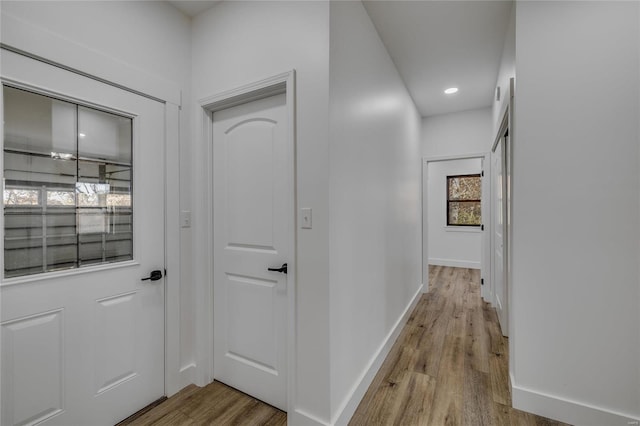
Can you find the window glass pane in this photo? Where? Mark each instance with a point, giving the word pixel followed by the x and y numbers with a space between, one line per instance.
pixel 465 187
pixel 67 185
pixel 104 187
pixel 119 200
pixel 61 198
pixel 21 197
pixel 38 124
pixel 104 136
pixel 464 213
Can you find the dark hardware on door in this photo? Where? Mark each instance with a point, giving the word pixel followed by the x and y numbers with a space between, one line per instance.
pixel 282 269
pixel 155 276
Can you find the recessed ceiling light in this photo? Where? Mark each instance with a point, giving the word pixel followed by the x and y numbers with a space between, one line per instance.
pixel 451 90
pixel 82 135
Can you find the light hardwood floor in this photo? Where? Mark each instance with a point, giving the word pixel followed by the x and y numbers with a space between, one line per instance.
pixel 449 366
pixel 214 404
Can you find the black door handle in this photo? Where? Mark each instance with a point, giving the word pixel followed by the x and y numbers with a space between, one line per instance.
pixel 282 269
pixel 155 276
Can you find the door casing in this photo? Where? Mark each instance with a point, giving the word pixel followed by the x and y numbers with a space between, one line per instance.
pixel 278 84
pixel 507 124
pixel 485 267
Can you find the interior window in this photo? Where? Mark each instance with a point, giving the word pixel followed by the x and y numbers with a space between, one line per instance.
pixel 67 185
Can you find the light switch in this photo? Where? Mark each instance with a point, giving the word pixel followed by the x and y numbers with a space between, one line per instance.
pixel 185 219
pixel 305 218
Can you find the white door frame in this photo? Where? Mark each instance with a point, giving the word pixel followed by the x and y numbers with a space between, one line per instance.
pixel 507 123
pixel 281 83
pixel 486 167
pixel 128 79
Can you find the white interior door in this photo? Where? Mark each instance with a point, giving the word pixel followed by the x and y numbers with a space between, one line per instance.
pixel 498 255
pixel 252 226
pixel 82 335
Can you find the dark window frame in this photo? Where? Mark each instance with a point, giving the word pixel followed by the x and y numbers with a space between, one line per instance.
pixel 449 201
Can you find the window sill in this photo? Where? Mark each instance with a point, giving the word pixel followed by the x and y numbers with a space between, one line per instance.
pixel 5 282
pixel 467 229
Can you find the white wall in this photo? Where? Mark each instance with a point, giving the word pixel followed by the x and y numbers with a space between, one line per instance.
pixel 375 204
pixel 576 218
pixel 458 133
pixel 236 43
pixel 506 71
pixel 109 38
pixel 450 246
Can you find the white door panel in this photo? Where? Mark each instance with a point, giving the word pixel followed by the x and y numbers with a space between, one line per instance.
pixel 85 346
pixel 251 231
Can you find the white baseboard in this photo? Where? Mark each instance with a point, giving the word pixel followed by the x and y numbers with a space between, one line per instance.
pixel 567 411
pixel 300 418
pixel 187 375
pixel 354 397
pixel 455 263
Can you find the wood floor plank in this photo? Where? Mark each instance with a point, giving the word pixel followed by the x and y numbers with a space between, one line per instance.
pixel 173 418
pixel 382 409
pixel 476 341
pixel 414 408
pixel 447 400
pixel 500 391
pixel 457 324
pixel 477 406
pixel 428 361
pixel 168 406
pixel 259 413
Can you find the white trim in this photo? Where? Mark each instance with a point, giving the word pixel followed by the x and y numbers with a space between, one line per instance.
pixel 203 241
pixel 512 337
pixel 350 403
pixel 486 289
pixel 6 282
pixel 467 229
pixel 455 263
pixel 566 410
pixel 172 260
pixel 203 248
pixel 424 225
pixel 433 159
pixel 187 375
pixel 301 418
pixel 29 40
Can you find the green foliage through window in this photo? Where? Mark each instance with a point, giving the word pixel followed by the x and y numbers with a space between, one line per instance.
pixel 464 199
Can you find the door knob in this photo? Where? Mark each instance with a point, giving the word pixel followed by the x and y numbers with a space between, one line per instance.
pixel 282 269
pixel 154 276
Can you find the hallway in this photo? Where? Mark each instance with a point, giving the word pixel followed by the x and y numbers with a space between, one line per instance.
pixel 449 366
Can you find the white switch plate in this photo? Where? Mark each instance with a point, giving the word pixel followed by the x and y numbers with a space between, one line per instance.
pixel 305 218
pixel 185 219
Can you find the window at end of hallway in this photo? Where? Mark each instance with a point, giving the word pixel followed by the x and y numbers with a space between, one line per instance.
pixel 464 196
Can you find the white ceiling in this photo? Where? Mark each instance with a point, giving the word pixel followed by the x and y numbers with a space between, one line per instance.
pixel 434 45
pixel 193 7
pixel 440 44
